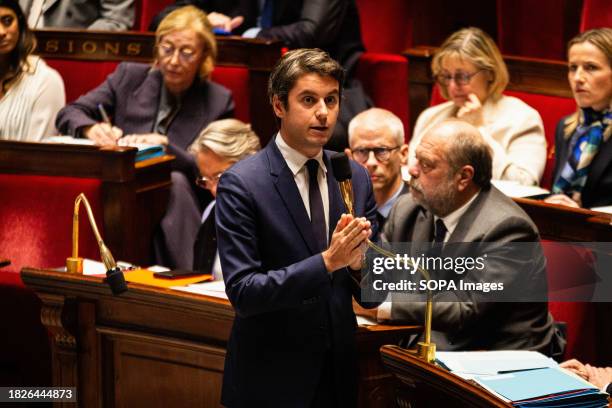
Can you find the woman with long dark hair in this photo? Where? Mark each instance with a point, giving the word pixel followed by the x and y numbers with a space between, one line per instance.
pixel 31 93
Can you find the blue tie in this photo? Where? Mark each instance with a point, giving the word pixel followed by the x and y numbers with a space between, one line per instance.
pixel 266 14
pixel 317 215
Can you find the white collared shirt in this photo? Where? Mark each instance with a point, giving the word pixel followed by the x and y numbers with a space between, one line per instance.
pixel 296 162
pixel 450 222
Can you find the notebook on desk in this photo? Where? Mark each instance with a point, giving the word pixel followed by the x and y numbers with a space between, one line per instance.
pixel 524 378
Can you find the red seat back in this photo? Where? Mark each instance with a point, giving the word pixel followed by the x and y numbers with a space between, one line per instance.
pixel 81 77
pixel 571 276
pixel 386 26
pixel 146 10
pixel 236 79
pixel 385 80
pixel 550 108
pixel 36 219
pixel 595 14
pixel 521 31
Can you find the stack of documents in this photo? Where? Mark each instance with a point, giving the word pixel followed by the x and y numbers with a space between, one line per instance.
pixel 524 378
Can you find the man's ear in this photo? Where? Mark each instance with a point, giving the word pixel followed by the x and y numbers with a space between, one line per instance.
pixel 464 177
pixel 278 106
pixel 404 154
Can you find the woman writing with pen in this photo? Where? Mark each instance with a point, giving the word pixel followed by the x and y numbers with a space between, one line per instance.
pixel 167 103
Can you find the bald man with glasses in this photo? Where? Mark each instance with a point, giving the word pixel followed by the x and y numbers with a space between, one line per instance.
pixel 376 140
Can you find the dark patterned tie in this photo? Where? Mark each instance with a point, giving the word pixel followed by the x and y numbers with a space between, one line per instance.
pixel 439 231
pixel 438 242
pixel 317 215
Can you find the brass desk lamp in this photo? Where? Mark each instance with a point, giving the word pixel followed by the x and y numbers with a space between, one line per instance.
pixel 426 350
pixel 74 264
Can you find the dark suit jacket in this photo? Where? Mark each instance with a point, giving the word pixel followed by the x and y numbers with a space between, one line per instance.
pixel 469 323
pixel 598 188
pixel 291 316
pixel 131 97
pixel 332 25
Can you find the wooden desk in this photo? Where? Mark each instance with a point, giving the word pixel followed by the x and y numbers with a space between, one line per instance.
pixel 258 56
pixel 546 77
pixel 158 347
pixel 561 223
pixel 134 197
pixel 427 385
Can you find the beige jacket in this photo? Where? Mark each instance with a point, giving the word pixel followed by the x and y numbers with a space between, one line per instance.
pixel 513 129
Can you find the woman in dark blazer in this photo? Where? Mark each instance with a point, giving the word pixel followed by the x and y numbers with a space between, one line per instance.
pixel 583 158
pixel 167 103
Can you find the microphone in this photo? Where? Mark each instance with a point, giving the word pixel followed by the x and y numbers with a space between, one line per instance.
pixel 74 264
pixel 343 174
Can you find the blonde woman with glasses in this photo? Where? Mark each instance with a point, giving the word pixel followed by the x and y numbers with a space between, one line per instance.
pixel 167 103
pixel 472 75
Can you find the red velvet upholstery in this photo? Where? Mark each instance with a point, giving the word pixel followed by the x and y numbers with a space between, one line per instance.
pixel 77 84
pixel 385 80
pixel 523 31
pixel 35 230
pixel 146 10
pixel 386 26
pixel 550 108
pixel 595 14
pixel 236 79
pixel 570 273
pixel 81 77
pixel 36 219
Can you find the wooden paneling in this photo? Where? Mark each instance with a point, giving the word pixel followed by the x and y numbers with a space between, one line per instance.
pixel 157 347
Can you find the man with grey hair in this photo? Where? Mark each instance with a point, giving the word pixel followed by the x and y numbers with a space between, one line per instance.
pixel 376 141
pixel 452 203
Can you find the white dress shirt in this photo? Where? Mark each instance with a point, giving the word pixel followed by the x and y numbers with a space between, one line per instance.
pixel 450 222
pixel 297 164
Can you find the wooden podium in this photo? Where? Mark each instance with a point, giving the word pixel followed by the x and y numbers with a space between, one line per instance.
pixel 158 347
pixel 427 385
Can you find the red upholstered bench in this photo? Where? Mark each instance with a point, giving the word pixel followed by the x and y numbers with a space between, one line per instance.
pixel 35 230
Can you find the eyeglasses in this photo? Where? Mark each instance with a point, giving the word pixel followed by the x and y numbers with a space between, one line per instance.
pixel 185 54
pixel 461 78
pixel 382 154
pixel 208 182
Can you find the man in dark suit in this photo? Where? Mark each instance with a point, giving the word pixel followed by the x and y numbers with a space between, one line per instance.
pixel 376 141
pixel 289 255
pixel 453 203
pixel 332 25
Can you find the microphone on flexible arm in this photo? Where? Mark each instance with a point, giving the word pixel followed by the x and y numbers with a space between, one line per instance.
pixel 74 264
pixel 343 174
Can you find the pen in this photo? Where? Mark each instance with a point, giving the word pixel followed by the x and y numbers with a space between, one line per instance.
pixel 104 115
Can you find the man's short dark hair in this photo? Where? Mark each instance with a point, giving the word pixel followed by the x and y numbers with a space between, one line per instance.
pixel 298 62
